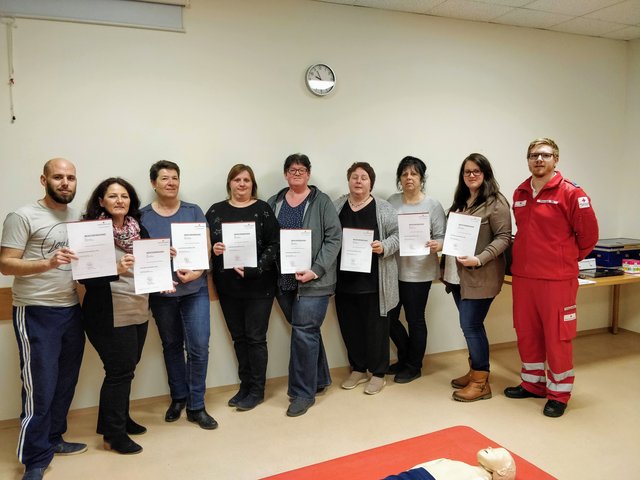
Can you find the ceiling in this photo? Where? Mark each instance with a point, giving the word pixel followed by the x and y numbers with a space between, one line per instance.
pixel 616 19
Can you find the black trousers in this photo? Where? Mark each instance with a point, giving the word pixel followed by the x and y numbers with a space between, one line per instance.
pixel 411 344
pixel 248 320
pixel 120 349
pixel 364 331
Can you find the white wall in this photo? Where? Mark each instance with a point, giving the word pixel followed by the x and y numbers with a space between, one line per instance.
pixel 231 90
pixel 629 185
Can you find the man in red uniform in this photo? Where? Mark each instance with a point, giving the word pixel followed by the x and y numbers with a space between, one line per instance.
pixel 557 227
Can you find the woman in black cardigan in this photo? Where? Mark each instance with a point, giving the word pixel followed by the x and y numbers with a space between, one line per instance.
pixel 246 293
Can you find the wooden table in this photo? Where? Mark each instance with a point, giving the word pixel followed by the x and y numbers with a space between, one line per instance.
pixel 614 282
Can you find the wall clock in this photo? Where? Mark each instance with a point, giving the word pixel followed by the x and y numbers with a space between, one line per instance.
pixel 320 79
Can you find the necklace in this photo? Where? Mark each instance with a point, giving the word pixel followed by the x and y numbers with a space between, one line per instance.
pixel 356 205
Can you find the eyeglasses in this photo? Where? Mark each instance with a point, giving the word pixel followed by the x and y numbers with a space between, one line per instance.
pixel 297 171
pixel 544 155
pixel 472 173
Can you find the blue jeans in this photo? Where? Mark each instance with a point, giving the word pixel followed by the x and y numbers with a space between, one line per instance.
pixel 308 367
pixel 472 314
pixel 411 345
pixel 184 324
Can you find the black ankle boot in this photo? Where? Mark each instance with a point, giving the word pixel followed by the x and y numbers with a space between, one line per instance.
pixel 174 410
pixel 134 428
pixel 394 368
pixel 233 401
pixel 202 418
pixel 122 444
pixel 250 402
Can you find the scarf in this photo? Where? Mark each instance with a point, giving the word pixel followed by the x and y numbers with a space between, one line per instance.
pixel 125 235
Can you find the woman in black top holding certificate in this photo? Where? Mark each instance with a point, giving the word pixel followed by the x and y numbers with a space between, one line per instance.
pixel 246 293
pixel 366 290
pixel 115 318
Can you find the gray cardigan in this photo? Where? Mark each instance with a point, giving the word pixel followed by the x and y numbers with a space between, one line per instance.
pixel 387 218
pixel 326 238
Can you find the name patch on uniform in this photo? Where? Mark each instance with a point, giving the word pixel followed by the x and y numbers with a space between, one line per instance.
pixel 570 316
pixel 553 202
pixel 583 202
pixel 520 203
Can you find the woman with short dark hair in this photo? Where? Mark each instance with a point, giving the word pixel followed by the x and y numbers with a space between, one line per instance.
pixel 182 317
pixel 304 296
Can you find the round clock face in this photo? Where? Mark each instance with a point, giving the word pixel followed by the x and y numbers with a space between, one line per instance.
pixel 320 79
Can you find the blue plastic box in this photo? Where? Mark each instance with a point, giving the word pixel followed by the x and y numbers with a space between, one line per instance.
pixel 609 252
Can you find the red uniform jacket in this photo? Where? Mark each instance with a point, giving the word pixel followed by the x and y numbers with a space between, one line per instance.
pixel 555 230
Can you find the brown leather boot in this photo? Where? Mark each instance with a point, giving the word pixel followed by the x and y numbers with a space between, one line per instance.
pixel 462 381
pixel 477 389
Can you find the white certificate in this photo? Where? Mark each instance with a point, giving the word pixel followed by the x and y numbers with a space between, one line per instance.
pixel 190 242
pixel 92 242
pixel 239 239
pixel 152 266
pixel 414 231
pixel 462 235
pixel 295 250
pixel 356 250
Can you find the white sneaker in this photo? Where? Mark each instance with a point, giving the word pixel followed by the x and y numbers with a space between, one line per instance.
pixel 355 379
pixel 375 385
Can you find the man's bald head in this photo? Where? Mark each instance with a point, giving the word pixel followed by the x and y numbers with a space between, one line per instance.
pixel 46 170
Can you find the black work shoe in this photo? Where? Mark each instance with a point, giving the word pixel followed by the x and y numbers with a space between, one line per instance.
pixel 395 368
pixel 34 473
pixel 122 444
pixel 250 402
pixel 554 408
pixel 202 418
pixel 520 392
pixel 407 375
pixel 69 448
pixel 299 406
pixel 233 401
pixel 174 410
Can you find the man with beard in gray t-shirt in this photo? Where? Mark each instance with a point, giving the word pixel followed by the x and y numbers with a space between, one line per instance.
pixel 46 316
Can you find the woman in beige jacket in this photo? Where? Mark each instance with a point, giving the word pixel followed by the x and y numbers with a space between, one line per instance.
pixel 481 275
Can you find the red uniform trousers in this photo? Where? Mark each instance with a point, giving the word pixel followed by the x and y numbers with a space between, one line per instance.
pixel 545 319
